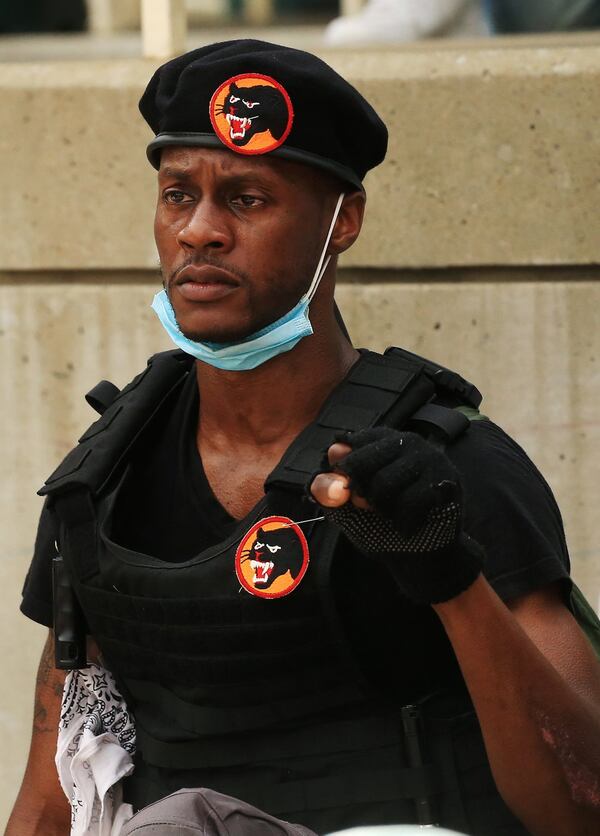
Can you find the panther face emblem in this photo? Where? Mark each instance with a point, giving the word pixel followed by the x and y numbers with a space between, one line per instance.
pixel 272 558
pixel 251 114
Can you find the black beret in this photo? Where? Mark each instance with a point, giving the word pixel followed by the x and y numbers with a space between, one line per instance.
pixel 259 98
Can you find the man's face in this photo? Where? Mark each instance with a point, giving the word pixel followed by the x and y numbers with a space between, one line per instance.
pixel 239 239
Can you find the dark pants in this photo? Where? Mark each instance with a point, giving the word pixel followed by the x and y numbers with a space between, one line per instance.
pixel 42 15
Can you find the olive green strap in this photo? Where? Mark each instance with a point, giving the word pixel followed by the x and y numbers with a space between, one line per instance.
pixel 471 413
pixel 586 618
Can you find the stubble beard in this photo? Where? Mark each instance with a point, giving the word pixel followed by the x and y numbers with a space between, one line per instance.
pixel 254 325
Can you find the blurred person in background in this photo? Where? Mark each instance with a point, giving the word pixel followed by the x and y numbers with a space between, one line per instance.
pixel 397 21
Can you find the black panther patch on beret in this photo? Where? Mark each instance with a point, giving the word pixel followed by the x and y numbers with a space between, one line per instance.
pixel 255 97
pixel 251 114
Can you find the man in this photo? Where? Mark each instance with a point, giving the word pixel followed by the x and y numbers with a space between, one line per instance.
pixel 397 21
pixel 312 647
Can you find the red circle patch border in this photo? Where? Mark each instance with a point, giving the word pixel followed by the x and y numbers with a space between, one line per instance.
pixel 305 557
pixel 231 145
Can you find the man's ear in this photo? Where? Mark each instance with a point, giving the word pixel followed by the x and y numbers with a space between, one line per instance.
pixel 349 222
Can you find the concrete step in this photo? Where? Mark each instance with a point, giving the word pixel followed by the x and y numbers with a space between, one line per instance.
pixel 494 157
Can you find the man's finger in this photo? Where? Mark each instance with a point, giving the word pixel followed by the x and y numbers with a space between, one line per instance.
pixel 337 452
pixel 330 489
pixel 360 502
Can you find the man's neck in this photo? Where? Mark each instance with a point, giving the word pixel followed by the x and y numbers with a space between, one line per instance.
pixel 268 406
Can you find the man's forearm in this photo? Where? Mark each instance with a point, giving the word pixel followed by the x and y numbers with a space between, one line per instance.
pixel 41 806
pixel 31 816
pixel 542 736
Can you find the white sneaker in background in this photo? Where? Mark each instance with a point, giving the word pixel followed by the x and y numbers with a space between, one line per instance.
pixel 395 21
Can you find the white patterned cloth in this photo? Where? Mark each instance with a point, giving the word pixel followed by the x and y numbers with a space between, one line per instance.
pixel 96 742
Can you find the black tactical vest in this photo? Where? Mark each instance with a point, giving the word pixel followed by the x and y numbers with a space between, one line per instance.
pixel 263 699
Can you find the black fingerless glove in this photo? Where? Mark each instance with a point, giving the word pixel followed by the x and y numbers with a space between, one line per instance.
pixel 415 527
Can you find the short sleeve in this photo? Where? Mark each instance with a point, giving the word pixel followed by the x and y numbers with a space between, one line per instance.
pixel 511 511
pixel 37 589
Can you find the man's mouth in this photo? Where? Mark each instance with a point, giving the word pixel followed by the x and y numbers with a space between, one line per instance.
pixel 205 283
pixel 238 126
pixel 262 570
pixel 204 274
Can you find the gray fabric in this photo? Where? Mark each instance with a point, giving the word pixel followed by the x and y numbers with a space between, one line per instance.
pixel 190 812
pixel 396 830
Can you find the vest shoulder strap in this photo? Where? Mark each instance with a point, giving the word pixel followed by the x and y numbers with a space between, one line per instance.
pixel 124 415
pixel 395 389
pixel 450 386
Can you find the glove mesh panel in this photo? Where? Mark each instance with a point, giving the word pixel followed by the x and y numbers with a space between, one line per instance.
pixel 373 533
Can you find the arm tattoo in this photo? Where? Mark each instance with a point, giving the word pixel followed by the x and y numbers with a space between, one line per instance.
pixel 48 683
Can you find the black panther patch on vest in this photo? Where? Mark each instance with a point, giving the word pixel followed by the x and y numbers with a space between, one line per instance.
pixel 272 558
pixel 251 113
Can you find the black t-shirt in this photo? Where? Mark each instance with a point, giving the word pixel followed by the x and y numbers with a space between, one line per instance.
pixel 167 509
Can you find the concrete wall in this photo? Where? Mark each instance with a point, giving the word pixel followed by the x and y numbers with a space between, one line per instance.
pixel 493 161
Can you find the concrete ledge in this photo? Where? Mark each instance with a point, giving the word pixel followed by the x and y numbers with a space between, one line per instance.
pixel 494 159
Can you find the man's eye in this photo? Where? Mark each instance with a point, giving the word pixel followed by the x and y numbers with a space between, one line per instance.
pixel 176 196
pixel 247 201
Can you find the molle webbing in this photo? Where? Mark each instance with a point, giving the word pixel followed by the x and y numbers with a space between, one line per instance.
pixel 208 721
pixel 237 642
pixel 297 741
pixel 217 670
pixel 327 797
pixel 371 786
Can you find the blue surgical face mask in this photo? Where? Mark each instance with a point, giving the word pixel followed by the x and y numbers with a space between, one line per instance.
pixel 276 338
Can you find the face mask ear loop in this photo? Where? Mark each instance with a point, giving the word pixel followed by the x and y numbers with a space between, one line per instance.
pixel 323 261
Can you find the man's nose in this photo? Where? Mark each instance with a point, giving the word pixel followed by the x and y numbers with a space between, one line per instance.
pixel 205 230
